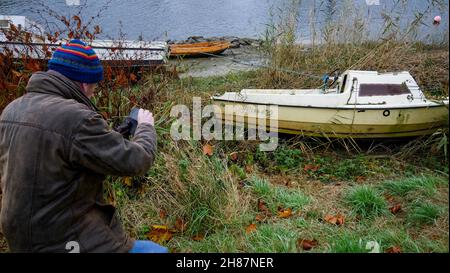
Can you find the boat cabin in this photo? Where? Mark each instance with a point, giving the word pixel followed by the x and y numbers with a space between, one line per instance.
pixel 372 87
pixel 353 87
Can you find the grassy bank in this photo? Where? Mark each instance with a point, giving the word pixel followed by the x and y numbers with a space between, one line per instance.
pixel 308 195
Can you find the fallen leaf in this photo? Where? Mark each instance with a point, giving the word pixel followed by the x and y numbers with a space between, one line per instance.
pixel 260 217
pixel 311 167
pixel 285 213
pixel 335 220
pixel 395 209
pixel 160 234
pixel 162 214
pixel 306 244
pixel 180 225
pixel 208 149
pixel 234 156
pixel 250 228
pixel 394 249
pixel 198 237
pixel 340 219
pixel 263 208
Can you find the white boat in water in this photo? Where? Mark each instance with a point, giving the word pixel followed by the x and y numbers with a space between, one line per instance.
pixel 364 104
pixel 114 53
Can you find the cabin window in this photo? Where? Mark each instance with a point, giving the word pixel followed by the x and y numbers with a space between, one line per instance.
pixel 344 81
pixel 382 89
pixel 4 23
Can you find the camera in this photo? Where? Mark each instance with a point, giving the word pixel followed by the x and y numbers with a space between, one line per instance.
pixel 129 124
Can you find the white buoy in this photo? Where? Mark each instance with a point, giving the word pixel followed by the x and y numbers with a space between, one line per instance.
pixel 437 20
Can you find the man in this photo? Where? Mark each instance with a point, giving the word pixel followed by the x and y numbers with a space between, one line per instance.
pixel 55 152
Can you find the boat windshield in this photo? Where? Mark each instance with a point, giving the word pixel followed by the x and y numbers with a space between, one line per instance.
pixel 382 89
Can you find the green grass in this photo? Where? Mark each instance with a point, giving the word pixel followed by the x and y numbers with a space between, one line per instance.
pixel 422 184
pixel 366 201
pixel 423 213
pixel 278 196
pixel 271 238
pixel 347 243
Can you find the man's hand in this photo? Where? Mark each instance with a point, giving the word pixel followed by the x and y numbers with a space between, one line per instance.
pixel 145 116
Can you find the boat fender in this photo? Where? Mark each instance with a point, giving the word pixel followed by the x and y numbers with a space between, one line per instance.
pixel 386 113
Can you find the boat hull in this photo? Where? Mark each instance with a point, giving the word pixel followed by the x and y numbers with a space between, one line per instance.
pixel 202 49
pixel 355 122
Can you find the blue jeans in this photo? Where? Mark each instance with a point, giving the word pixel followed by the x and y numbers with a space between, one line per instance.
pixel 141 246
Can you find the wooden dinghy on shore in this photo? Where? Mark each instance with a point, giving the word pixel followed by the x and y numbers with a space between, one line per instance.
pixel 364 104
pixel 198 49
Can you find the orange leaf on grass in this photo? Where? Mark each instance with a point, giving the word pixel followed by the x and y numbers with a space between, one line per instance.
pixel 396 209
pixel 250 228
pixel 160 234
pixel 335 220
pixel 306 244
pixel 208 149
pixel 285 213
pixel 260 218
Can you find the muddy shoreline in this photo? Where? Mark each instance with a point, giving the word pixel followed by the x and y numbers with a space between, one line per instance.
pixel 244 54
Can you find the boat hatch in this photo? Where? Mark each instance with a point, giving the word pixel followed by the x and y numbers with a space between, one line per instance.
pixel 382 89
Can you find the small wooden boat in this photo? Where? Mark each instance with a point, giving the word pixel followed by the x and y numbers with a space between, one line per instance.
pixel 198 49
pixel 364 104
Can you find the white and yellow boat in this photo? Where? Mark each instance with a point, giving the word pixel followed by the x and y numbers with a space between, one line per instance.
pixel 364 104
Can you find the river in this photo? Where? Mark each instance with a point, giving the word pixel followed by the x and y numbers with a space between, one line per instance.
pixel 179 19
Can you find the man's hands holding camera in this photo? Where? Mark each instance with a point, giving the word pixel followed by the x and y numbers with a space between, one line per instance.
pixel 136 117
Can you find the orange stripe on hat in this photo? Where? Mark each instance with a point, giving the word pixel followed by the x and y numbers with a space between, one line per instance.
pixel 81 54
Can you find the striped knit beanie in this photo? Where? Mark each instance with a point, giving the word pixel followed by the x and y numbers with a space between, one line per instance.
pixel 77 61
